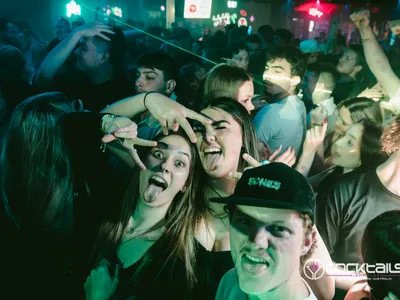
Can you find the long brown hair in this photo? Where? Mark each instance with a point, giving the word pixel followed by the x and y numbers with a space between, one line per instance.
pixel 242 117
pixel 224 81
pixel 37 178
pixel 181 221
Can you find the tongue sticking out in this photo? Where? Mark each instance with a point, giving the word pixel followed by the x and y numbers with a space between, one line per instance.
pixel 152 192
pixel 211 161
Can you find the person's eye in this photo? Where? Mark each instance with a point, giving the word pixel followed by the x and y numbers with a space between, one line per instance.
pixel 149 78
pixel 220 127
pixel 180 164
pixel 198 128
pixel 242 221
pixel 158 154
pixel 278 230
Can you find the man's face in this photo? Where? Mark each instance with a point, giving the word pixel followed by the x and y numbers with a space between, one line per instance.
pixel 254 49
pixel 347 63
pixel 151 80
pixel 278 78
pixel 90 56
pixel 309 85
pixel 61 28
pixel 266 246
pixel 11 34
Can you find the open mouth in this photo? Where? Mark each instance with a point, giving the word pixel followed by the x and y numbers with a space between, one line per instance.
pixel 158 181
pixel 253 264
pixel 155 187
pixel 211 158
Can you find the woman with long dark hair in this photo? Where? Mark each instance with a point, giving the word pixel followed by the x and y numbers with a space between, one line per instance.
pixel 56 184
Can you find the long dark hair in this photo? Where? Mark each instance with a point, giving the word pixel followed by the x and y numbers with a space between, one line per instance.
pixel 371 154
pixel 187 210
pixel 242 117
pixel 363 108
pixel 381 244
pixel 37 179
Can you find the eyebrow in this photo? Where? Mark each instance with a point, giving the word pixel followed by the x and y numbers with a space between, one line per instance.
pixel 277 67
pixel 218 123
pixel 165 146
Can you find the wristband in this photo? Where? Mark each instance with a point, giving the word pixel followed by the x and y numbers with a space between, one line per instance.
pixel 144 100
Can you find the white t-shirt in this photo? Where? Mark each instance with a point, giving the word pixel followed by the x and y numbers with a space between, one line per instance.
pixel 229 289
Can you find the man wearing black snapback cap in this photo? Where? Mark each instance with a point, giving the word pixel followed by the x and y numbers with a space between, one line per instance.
pixel 271 234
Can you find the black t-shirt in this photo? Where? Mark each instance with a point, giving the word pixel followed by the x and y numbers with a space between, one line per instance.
pixel 55 265
pixel 344 211
pixel 95 97
pixel 169 281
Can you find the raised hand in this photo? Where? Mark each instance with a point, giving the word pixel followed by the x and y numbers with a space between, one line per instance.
pixel 95 29
pixel 125 131
pixel 101 285
pixel 361 18
pixel 395 26
pixel 288 157
pixel 171 115
pixel 375 93
pixel 252 162
pixel 314 137
pixel 319 115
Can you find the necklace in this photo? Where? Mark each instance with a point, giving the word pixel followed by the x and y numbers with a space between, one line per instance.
pixel 215 191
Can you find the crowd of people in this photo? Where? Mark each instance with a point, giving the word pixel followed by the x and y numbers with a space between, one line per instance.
pixel 147 164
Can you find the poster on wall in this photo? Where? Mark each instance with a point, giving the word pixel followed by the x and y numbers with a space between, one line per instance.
pixel 197 9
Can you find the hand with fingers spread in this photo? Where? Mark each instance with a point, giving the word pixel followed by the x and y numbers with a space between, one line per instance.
pixel 375 93
pixel 252 162
pixel 101 285
pixel 361 18
pixel 95 29
pixel 318 115
pixel 125 131
pixel 288 157
pixel 315 137
pixel 171 115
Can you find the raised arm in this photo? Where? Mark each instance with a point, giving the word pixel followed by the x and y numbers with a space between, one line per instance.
pixel 376 57
pixel 169 113
pixel 57 57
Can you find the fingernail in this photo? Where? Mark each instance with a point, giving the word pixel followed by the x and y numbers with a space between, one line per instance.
pixel 326 121
pixel 245 155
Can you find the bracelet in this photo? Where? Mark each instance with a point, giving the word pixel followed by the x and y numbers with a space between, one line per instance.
pixel 102 123
pixel 144 100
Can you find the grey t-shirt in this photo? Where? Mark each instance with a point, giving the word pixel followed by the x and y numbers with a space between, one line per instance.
pixel 346 209
pixel 282 123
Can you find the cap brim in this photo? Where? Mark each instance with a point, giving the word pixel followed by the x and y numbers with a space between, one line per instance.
pixel 263 203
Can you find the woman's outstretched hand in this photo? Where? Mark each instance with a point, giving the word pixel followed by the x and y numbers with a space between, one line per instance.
pixel 171 115
pixel 125 131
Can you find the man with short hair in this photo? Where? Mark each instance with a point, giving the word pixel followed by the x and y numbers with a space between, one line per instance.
pixel 9 33
pixel 271 235
pixel 318 85
pixel 157 72
pixel 282 122
pixel 344 211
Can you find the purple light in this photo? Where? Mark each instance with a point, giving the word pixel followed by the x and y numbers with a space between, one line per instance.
pixel 252 19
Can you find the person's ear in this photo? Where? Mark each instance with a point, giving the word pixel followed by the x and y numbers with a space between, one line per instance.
pixel 171 84
pixel 320 86
pixel 309 240
pixel 357 69
pixel 295 80
pixel 105 58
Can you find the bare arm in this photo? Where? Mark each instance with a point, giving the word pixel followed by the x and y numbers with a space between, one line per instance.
pixel 324 287
pixel 57 57
pixel 376 57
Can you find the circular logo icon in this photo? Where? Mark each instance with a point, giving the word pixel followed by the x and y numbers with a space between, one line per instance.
pixel 193 8
pixel 314 269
